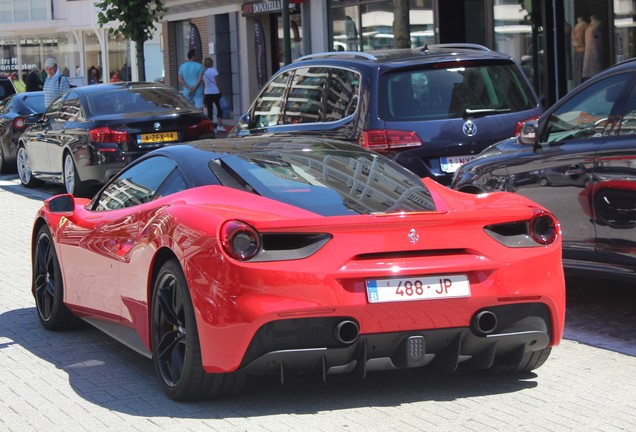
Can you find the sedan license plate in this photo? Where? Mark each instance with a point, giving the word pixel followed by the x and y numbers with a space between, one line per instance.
pixel 451 164
pixel 417 288
pixel 158 137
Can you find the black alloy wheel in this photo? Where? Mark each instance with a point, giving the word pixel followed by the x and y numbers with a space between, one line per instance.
pixel 48 286
pixel 175 343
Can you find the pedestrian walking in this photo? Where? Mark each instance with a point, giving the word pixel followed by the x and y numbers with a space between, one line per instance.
pixel 55 83
pixel 190 77
pixel 33 81
pixel 212 93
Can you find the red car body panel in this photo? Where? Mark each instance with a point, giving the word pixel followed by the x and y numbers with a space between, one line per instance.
pixel 232 300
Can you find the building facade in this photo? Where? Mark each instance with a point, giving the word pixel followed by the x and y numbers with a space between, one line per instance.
pixel 32 30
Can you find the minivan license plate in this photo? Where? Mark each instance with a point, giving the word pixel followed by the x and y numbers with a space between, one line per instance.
pixel 417 288
pixel 452 164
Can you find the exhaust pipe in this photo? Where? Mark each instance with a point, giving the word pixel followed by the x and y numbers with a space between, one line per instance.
pixel 346 332
pixel 484 323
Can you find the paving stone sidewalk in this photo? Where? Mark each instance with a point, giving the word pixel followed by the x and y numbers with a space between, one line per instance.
pixel 85 381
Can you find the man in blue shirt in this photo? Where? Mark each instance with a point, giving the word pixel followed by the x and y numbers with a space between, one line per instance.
pixel 190 77
pixel 55 83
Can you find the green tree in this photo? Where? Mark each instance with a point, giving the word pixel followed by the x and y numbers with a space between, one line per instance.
pixel 136 21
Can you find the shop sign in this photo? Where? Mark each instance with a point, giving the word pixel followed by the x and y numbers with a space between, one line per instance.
pixel 271 6
pixel 11 65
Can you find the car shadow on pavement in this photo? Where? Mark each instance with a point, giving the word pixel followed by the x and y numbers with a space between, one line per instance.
pixel 10 183
pixel 104 372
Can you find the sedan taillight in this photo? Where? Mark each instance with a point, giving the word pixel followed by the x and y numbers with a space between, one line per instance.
pixel 108 135
pixel 204 127
pixel 384 140
pixel 19 123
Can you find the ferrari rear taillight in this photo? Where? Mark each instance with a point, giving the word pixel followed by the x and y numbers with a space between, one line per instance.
pixel 385 140
pixel 543 227
pixel 204 127
pixel 19 123
pixel 240 240
pixel 108 135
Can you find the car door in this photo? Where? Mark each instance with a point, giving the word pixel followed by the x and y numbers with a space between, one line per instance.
pixel 38 139
pixel 611 199
pixel 562 164
pixel 60 135
pixel 110 278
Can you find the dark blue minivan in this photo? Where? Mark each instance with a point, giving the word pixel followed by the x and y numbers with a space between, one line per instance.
pixel 431 109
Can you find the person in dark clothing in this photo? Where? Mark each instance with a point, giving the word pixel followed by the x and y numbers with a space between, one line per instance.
pixel 33 81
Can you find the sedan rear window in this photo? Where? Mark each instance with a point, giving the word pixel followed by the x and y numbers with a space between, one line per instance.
pixel 454 91
pixel 125 100
pixel 338 183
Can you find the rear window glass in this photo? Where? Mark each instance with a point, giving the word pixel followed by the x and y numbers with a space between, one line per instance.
pixel 124 100
pixel 453 92
pixel 333 183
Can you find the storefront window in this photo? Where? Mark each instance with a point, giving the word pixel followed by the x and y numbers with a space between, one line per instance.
pixel 587 39
pixel 368 25
pixel 118 58
pixel 92 58
pixel 624 29
pixel 295 36
pixel 345 28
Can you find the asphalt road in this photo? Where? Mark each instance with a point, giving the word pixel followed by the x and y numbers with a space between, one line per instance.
pixel 85 381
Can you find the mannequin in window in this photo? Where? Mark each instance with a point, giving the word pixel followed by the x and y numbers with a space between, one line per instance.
pixel 578 49
pixel 593 61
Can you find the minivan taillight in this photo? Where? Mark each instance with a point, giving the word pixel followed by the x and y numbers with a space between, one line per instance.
pixel 381 139
pixel 108 135
pixel 204 127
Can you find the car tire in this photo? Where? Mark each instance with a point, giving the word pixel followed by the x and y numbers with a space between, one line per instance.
pixel 176 348
pixel 530 361
pixel 47 285
pixel 4 167
pixel 72 182
pixel 25 174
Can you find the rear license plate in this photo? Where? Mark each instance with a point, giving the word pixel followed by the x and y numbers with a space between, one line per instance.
pixel 451 164
pixel 417 288
pixel 158 137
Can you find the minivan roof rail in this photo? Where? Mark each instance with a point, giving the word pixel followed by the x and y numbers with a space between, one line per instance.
pixel 459 45
pixel 343 54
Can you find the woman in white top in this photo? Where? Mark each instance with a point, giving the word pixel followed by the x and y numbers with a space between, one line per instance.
pixel 212 92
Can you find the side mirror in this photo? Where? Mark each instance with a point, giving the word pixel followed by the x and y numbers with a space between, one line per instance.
pixel 64 204
pixel 528 133
pixel 244 121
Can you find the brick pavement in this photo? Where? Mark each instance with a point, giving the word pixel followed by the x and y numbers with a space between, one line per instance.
pixel 84 381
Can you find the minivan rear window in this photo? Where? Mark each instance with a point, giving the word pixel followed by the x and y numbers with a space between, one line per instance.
pixel 453 92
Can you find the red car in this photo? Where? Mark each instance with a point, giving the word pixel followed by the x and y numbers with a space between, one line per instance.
pixel 225 258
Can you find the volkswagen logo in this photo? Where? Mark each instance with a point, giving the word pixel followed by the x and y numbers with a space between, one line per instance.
pixel 157 126
pixel 413 236
pixel 469 128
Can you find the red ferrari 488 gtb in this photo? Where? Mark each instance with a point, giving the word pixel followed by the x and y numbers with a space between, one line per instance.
pixel 225 258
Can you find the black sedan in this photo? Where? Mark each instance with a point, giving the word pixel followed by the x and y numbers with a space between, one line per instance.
pixel 579 161
pixel 90 133
pixel 17 112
